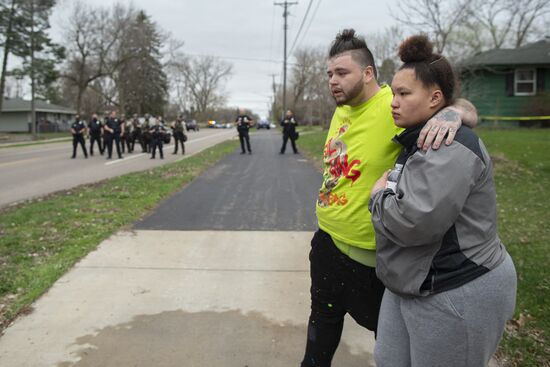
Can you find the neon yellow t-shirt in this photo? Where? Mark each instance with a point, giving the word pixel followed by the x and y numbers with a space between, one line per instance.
pixel 358 149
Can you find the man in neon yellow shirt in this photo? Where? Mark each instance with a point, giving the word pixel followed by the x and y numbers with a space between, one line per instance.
pixel 358 150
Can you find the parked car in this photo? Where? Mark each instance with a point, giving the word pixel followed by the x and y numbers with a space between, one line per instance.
pixel 192 125
pixel 263 124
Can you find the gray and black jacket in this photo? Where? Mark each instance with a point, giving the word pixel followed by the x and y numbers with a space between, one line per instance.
pixel 436 220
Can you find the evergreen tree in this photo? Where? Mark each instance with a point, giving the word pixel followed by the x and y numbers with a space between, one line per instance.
pixel 38 53
pixel 141 81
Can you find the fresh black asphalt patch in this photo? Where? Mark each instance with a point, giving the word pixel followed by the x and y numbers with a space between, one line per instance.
pixel 262 191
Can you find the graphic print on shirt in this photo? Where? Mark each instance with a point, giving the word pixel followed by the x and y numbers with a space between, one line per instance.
pixel 338 166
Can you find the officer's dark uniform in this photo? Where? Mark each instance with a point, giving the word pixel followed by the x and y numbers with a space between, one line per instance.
pixel 125 138
pixel 96 127
pixel 289 132
pixel 135 135
pixel 157 134
pixel 145 140
pixel 78 128
pixel 179 136
pixel 116 125
pixel 243 124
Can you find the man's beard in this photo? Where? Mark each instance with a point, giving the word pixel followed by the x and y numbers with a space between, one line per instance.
pixel 353 93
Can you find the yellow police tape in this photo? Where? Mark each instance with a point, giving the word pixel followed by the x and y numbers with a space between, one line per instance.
pixel 519 118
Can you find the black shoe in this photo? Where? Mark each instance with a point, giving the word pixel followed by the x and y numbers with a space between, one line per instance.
pixel 243 152
pixel 175 153
pixel 152 158
pixel 120 157
pixel 92 154
pixel 109 158
pixel 281 152
pixel 73 157
pixel 161 157
pixel 86 156
pixel 296 152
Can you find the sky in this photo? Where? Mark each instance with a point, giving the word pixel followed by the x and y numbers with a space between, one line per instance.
pixel 249 34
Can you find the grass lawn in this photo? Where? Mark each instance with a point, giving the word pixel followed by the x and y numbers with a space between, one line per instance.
pixel 42 239
pixel 522 176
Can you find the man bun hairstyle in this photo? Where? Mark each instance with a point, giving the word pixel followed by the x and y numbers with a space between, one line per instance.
pixel 348 41
pixel 430 68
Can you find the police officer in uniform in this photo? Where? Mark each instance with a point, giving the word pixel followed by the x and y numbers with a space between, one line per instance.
pixel 113 129
pixel 289 131
pixel 95 130
pixel 136 133
pixel 145 140
pixel 157 134
pixel 78 129
pixel 179 135
pixel 244 122
pixel 124 137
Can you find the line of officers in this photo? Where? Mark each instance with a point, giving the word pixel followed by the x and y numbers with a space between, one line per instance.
pixel 150 133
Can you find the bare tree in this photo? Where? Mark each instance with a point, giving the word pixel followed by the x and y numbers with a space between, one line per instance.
pixel 383 45
pixel 437 18
pixel 92 37
pixel 204 78
pixel 308 85
pixel 527 12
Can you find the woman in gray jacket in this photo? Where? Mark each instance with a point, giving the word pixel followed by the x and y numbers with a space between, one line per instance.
pixel 450 283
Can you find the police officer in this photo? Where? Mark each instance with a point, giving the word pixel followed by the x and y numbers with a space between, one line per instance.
pixel 95 131
pixel 113 129
pixel 78 129
pixel 289 131
pixel 179 135
pixel 136 132
pixel 125 136
pixel 157 134
pixel 145 140
pixel 244 122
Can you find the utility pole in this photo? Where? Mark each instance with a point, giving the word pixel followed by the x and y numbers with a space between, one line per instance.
pixel 285 5
pixel 274 102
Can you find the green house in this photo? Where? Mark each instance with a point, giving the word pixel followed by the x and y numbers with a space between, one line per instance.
pixel 509 84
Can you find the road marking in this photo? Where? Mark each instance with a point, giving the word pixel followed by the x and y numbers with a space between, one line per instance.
pixel 125 159
pixel 165 147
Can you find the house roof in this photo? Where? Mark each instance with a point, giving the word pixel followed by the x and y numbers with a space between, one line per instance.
pixel 536 53
pixel 22 105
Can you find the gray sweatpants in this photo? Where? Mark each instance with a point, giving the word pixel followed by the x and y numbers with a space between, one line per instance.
pixel 457 328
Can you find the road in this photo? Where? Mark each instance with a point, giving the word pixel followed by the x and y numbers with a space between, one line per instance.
pixel 36 170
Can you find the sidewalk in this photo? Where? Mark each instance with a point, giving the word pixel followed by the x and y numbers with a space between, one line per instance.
pixel 193 298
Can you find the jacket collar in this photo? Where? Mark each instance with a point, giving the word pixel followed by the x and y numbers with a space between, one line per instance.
pixel 409 137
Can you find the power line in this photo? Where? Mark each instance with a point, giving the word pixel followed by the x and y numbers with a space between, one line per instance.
pixel 311 19
pixel 235 58
pixel 301 26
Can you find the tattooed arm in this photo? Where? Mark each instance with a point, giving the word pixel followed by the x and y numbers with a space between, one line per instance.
pixel 446 123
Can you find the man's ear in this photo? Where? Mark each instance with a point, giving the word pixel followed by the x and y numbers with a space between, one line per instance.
pixel 368 74
pixel 436 98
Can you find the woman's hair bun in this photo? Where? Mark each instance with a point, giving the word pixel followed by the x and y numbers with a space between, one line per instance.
pixel 416 48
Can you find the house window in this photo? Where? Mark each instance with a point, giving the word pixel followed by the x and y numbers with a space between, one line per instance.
pixel 525 82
